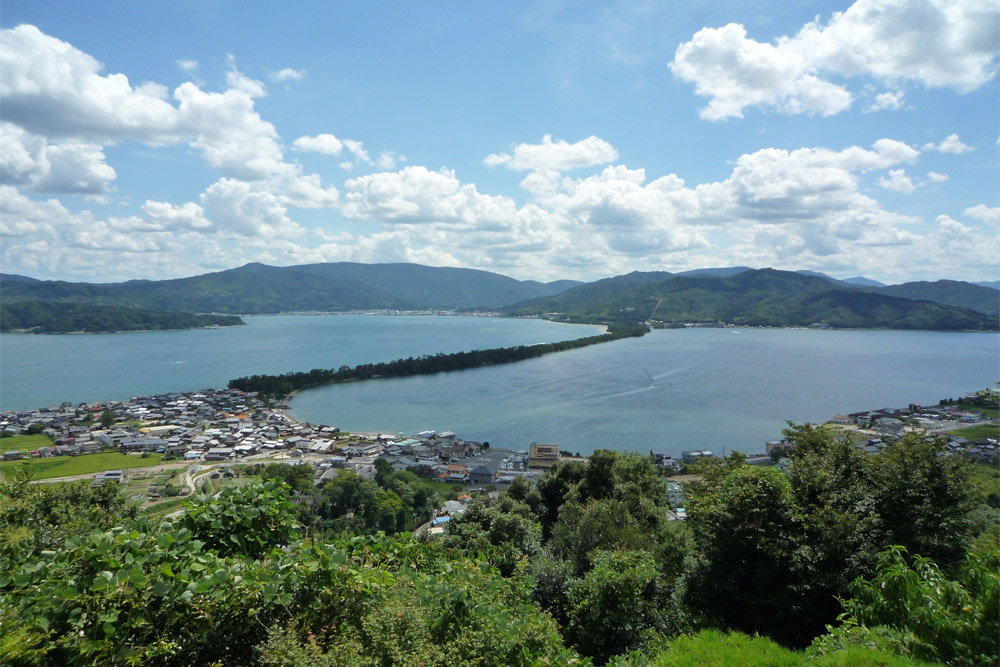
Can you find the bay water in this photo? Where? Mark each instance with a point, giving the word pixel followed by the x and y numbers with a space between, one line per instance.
pixel 718 389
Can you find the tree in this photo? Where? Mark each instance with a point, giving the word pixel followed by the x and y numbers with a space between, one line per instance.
pixel 616 606
pixel 746 531
pixel 108 419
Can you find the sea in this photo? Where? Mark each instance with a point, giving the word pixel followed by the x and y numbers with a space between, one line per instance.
pixel 672 390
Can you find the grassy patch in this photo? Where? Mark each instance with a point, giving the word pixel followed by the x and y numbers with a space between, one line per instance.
pixel 711 648
pixel 445 490
pixel 63 466
pixel 165 506
pixel 990 413
pixel 979 432
pixel 24 443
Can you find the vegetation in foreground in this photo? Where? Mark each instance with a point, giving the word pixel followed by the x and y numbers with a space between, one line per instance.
pixel 846 559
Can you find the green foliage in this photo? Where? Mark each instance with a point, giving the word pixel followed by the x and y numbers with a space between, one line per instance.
pixel 249 520
pixel 746 532
pixel 506 532
pixel 617 606
pixel 913 607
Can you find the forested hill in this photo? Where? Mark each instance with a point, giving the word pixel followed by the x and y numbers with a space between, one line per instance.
pixel 764 297
pixel 258 288
pixel 47 317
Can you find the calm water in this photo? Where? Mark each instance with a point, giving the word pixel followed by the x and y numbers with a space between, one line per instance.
pixel 39 371
pixel 674 390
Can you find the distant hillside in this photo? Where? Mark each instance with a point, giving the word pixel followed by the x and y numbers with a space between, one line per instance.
pixel 15 278
pixel 764 297
pixel 993 284
pixel 258 289
pixel 440 287
pixel 864 282
pixel 49 317
pixel 951 292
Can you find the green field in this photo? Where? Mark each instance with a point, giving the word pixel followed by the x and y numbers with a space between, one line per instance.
pixel 24 443
pixel 979 432
pixel 63 466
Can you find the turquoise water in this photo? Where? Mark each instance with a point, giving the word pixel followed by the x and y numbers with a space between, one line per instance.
pixel 672 389
pixel 719 389
pixel 39 371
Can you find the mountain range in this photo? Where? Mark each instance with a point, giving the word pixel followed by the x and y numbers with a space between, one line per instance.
pixel 737 295
pixel 767 297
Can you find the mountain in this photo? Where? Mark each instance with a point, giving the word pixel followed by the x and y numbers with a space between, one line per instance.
pixel 950 292
pixel 258 288
pixel 993 284
pixel 440 287
pixel 764 297
pixel 15 278
pixel 864 282
pixel 53 317
pixel 723 272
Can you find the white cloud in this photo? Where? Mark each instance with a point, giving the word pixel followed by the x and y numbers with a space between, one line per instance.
pixel 165 216
pixel 984 213
pixel 387 160
pixel 326 144
pixel 939 43
pixel 52 89
pixel 951 144
pixel 357 150
pixel 69 167
pixel 736 72
pixel 935 177
pixel 556 155
pixel 189 66
pixel 886 101
pixel 898 181
pixel 416 194
pixel 286 74
pixel 240 208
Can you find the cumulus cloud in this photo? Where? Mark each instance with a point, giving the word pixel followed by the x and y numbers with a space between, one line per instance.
pixel 189 66
pixel 984 213
pixel 240 208
pixel 898 181
pixel 950 144
pixel 938 43
pixel 886 101
pixel 326 144
pixel 286 74
pixel 69 167
pixel 556 155
pixel 417 194
pixel 935 177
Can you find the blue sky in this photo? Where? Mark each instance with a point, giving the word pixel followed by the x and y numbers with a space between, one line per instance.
pixel 539 140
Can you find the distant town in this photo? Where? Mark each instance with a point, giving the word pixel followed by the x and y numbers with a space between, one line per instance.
pixel 204 432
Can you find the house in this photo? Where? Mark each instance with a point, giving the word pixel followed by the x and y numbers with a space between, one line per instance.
pixel 543 456
pixel 480 475
pixel 219 454
pixel 692 455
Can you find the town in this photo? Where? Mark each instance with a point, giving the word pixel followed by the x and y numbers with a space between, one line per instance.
pixel 204 432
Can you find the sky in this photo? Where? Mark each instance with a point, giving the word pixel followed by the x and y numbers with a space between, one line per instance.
pixel 540 140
